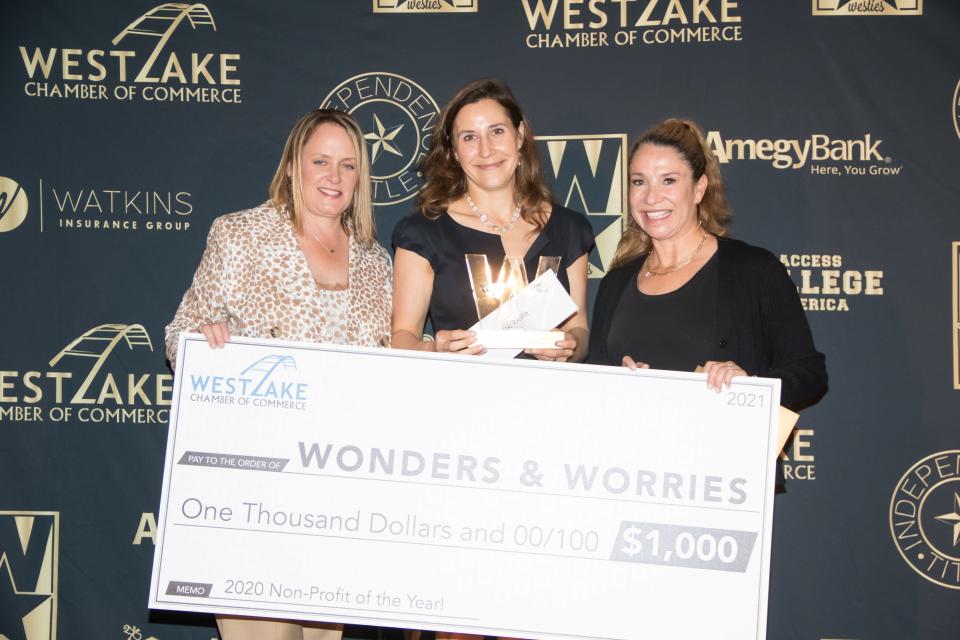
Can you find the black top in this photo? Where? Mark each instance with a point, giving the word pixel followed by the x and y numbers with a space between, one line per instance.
pixel 760 322
pixel 444 242
pixel 667 331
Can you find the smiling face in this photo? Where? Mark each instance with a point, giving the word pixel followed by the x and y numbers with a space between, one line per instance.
pixel 487 145
pixel 328 171
pixel 663 194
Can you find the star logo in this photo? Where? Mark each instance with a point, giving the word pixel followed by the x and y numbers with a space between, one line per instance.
pixel 953 518
pixel 382 139
pixel 29 543
pixel 15 607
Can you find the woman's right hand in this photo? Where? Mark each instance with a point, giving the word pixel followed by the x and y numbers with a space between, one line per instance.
pixel 632 364
pixel 216 333
pixel 459 341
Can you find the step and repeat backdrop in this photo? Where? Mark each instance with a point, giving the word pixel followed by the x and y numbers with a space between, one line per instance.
pixel 131 125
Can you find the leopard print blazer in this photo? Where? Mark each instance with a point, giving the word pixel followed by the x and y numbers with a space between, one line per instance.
pixel 254 277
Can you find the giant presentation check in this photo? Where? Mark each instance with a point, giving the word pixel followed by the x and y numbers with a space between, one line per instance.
pixel 518 498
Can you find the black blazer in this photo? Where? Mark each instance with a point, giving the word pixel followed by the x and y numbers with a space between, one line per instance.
pixel 761 324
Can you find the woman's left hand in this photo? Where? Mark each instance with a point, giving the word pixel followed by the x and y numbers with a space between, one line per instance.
pixel 720 374
pixel 562 353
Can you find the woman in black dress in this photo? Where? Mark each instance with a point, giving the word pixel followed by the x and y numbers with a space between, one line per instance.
pixel 681 295
pixel 484 194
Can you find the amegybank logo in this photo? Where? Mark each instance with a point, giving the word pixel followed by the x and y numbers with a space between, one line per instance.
pixel 88 380
pixel 561 24
pixel 142 66
pixel 821 154
pixel 588 173
pixel 425 6
pixel 14 204
pixel 29 561
pixel 269 382
pixel 925 518
pixel 867 7
pixel 397 116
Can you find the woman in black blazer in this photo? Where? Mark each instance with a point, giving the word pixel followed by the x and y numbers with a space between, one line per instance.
pixel 680 295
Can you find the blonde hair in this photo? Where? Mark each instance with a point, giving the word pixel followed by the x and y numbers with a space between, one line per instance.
pixel 286 191
pixel 713 211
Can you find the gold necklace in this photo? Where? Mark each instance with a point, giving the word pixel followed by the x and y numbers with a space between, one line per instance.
pixel 320 242
pixel 496 228
pixel 680 265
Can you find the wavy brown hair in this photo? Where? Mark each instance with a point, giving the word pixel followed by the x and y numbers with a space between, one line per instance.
pixel 687 139
pixel 445 180
pixel 286 191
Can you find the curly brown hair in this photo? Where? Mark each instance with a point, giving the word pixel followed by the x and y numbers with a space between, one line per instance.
pixel 445 180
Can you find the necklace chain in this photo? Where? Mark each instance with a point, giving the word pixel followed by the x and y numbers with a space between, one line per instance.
pixel 680 265
pixel 496 228
pixel 321 243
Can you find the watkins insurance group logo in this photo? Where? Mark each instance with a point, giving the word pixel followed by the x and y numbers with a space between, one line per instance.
pixel 397 116
pixel 425 6
pixel 820 154
pixel 588 173
pixel 29 566
pixel 94 208
pixel 90 380
pixel 867 7
pixel 561 24
pixel 144 69
pixel 925 518
pixel 267 382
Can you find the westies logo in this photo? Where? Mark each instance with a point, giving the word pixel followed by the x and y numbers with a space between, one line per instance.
pixel 825 156
pixel 557 24
pixel 29 554
pixel 925 518
pixel 397 116
pixel 867 7
pixel 826 283
pixel 588 173
pixel 144 70
pixel 265 383
pixel 425 6
pixel 14 205
pixel 90 380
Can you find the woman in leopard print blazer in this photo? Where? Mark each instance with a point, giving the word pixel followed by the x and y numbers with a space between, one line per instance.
pixel 305 266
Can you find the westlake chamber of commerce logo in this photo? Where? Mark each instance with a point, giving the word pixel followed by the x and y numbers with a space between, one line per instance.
pixel 29 565
pixel 867 7
pixel 820 154
pixel 86 382
pixel 397 116
pixel 925 518
pixel 144 69
pixel 425 6
pixel 826 282
pixel 267 383
pixel 588 173
pixel 560 24
pixel 14 204
pixel 97 209
pixel 799 459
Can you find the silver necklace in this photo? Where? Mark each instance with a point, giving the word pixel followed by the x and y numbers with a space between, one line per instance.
pixel 680 265
pixel 496 228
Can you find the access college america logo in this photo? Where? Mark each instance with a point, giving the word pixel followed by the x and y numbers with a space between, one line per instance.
pixel 29 554
pixel 397 117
